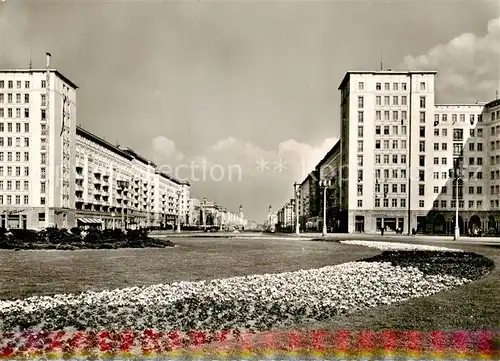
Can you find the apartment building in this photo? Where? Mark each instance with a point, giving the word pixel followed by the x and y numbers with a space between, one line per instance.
pixel 285 216
pixel 36 161
pixel 48 163
pixel 399 149
pixel 116 187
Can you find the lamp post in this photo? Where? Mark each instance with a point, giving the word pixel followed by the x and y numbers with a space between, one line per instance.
pixel 457 177
pixel 325 184
pixel 203 212
pixel 296 192
pixel 178 212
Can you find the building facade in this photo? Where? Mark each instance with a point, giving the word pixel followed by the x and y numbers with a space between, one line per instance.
pixel 285 216
pixel 47 163
pixel 36 160
pixel 399 149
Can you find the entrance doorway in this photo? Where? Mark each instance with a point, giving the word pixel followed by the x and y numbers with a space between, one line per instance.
pixel 359 224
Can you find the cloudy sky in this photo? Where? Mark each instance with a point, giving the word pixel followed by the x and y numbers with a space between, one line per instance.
pixel 207 89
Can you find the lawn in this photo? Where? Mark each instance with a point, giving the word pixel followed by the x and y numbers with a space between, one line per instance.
pixel 29 273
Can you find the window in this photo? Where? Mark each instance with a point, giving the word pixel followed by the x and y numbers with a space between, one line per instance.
pixel 480 132
pixel 444 161
pixel 27 84
pixel 360 189
pixel 11 84
pixel 377 157
pixel 360 203
pixel 26 199
pixel 26 112
pixel 360 131
pixel 436 160
pixel 361 85
pixel 386 144
pixel 479 161
pixel 395 100
pixel 26 98
pixel 44 84
pixel 386 130
pixel 403 173
pixel 458 134
pixel 403 130
pixel 27 142
pixel 360 160
pixel 386 115
pixel 471 147
pixel 471 190
pixel 360 145
pixel 2 84
pixel 403 158
pixel 386 158
pixel 436 176
pixel 422 102
pixel 394 173
pixel 394 144
pixel 395 129
pixel 42 114
pixel 453 118
pixel 421 161
pixel 26 185
pixel 422 86
pixel 422 117
pixel 387 100
pixel 444 132
pixel 421 175
pixel 378 115
pixel 18 84
pixel 422 132
pixel 394 203
pixel 360 175
pixel 403 144
pixel 395 159
pixel 361 102
pixel 403 86
pixel 18 127
pixel 404 100
pixel 378 100
pixel 402 202
pixel 378 86
pixel 18 98
pixel 377 202
pixel 444 146
pixel 421 204
pixel 479 175
pixel 436 132
pixel 462 117
pixel 386 203
pixel 387 86
pixel 422 146
pixel 395 114
pixel 471 132
pixel 479 190
pixel 435 204
pixel 377 130
pixel 360 116
pixel 395 86
pixel 471 161
pixel 436 146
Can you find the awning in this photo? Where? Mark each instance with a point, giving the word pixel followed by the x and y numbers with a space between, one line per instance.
pixel 89 220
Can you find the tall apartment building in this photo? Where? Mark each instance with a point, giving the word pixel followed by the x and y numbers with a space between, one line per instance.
pixel 36 160
pixel 286 215
pixel 46 161
pixel 398 150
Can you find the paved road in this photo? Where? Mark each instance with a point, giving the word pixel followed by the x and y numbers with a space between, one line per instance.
pixel 337 236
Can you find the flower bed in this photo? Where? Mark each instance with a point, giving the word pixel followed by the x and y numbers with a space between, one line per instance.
pixel 257 302
pixel 392 246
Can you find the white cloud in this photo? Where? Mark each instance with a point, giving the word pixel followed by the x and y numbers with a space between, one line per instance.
pixel 468 66
pixel 165 149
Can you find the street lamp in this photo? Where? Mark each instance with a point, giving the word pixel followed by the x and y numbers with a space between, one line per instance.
pixel 178 212
pixel 457 177
pixel 203 211
pixel 296 192
pixel 325 184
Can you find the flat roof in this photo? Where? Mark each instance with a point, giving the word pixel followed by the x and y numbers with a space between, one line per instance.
pixel 59 74
pixel 383 72
pixel 94 138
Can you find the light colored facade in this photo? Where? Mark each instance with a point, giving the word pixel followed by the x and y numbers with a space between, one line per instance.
pixel 32 153
pixel 398 147
pixel 286 215
pixel 194 212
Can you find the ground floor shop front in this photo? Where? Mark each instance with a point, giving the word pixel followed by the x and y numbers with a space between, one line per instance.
pixel 432 222
pixel 34 218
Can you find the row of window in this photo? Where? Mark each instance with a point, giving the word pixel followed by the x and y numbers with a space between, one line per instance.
pixel 17 199
pixel 9 142
pixel 19 83
pixel 11 185
pixel 394 203
pixel 387 86
pixel 436 203
pixel 17 171
pixel 378 101
pixel 9 156
pixel 18 126
pixel 461 204
pixel 10 113
pixel 455 117
pixel 395 100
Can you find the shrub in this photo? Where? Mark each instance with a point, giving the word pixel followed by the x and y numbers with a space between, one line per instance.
pixel 113 234
pixel 77 231
pixel 93 235
pixel 25 235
